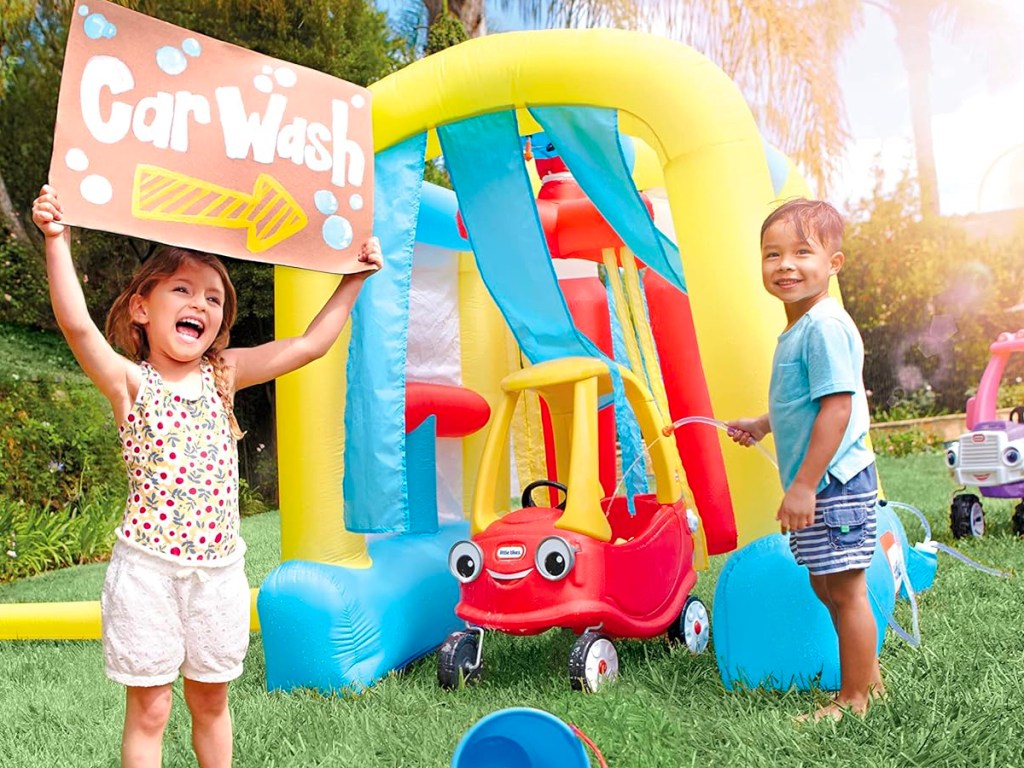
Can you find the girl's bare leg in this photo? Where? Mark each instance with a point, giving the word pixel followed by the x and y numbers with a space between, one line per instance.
pixel 211 722
pixel 145 716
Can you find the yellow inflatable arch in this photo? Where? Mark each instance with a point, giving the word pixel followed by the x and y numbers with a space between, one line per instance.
pixel 703 147
pixel 712 162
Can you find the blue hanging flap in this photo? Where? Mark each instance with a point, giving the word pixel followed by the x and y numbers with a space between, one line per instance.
pixel 375 484
pixel 484 157
pixel 588 141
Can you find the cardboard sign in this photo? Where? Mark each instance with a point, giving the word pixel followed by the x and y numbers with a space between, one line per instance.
pixel 172 136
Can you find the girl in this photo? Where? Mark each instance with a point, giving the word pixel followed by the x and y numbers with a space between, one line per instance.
pixel 176 600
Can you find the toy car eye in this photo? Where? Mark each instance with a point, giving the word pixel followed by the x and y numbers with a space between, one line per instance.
pixel 555 558
pixel 952 455
pixel 1011 456
pixel 465 561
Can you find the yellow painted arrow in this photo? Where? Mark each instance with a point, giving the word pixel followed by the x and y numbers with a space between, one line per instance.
pixel 269 214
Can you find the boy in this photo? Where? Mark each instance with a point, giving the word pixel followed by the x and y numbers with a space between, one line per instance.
pixel 818 412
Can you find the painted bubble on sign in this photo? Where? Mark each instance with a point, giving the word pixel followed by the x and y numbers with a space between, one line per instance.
pixel 325 202
pixel 97 189
pixel 76 160
pixel 171 60
pixel 337 232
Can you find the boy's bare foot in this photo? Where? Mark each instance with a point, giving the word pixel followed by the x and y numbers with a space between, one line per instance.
pixel 833 711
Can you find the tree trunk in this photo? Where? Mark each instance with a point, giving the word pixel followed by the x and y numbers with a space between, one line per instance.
pixel 915 48
pixel 471 13
pixel 9 217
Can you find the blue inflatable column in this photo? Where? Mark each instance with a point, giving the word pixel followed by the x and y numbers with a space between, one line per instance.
pixel 421 468
pixel 340 629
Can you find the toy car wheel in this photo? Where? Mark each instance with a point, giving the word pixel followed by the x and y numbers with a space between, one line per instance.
pixel 1018 519
pixel 692 627
pixel 457 661
pixel 966 516
pixel 593 661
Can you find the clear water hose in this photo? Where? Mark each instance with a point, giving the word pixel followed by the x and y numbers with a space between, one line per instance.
pixel 929 543
pixel 669 430
pixel 913 638
pixel 714 423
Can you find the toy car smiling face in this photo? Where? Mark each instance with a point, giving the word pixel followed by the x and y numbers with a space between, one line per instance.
pixel 509 553
pixel 991 455
pixel 523 575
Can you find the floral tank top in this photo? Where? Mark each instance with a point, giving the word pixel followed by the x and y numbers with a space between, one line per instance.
pixel 182 472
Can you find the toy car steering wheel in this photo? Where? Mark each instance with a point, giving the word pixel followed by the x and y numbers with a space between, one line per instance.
pixel 1017 414
pixel 528 492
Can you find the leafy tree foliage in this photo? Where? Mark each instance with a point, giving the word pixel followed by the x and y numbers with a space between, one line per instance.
pixel 782 54
pixel 984 25
pixel 344 38
pixel 929 298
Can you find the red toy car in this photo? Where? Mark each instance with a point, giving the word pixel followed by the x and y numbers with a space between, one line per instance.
pixel 586 564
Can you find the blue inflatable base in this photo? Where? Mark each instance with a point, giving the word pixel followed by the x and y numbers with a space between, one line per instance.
pixel 338 629
pixel 771 631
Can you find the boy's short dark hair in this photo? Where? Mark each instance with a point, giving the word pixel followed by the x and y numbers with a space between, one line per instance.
pixel 814 218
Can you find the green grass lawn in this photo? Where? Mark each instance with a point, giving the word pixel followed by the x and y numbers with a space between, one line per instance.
pixel 956 701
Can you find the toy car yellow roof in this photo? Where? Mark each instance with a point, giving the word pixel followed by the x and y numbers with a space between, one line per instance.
pixel 571 387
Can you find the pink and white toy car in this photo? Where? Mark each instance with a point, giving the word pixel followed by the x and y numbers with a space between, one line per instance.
pixel 990 455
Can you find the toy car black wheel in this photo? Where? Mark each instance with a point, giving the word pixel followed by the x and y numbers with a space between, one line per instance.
pixel 692 627
pixel 459 662
pixel 593 661
pixel 966 516
pixel 1018 519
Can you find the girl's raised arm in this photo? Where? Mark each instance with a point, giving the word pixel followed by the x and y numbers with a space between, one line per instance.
pixel 254 365
pixel 107 369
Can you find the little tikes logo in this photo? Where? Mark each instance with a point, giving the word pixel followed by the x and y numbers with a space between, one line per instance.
pixel 510 552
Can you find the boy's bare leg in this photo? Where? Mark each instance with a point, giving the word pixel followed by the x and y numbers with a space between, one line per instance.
pixel 146 713
pixel 860 675
pixel 820 587
pixel 211 722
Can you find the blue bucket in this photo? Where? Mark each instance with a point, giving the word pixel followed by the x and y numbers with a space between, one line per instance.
pixel 520 737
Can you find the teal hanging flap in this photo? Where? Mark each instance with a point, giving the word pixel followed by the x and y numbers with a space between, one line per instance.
pixel 588 141
pixel 375 486
pixel 484 157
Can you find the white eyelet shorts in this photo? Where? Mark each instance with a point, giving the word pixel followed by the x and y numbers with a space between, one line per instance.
pixel 161 619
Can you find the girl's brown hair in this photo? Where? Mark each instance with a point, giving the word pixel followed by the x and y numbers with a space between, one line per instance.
pixel 130 337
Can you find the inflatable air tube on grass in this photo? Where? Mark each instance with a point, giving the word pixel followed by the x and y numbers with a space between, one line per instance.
pixel 771 631
pixel 337 629
pixel 67 621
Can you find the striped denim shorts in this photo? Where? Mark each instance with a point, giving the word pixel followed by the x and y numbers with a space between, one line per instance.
pixel 842 537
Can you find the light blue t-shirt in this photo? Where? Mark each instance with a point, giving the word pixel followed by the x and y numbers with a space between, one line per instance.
pixel 822 354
